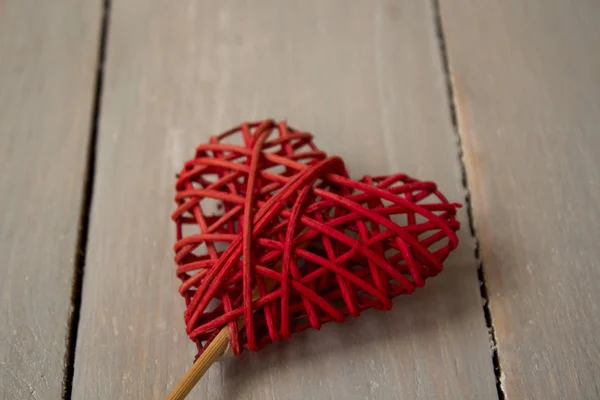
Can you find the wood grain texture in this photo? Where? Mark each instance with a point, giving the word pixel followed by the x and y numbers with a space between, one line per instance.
pixel 366 78
pixel 47 71
pixel 527 80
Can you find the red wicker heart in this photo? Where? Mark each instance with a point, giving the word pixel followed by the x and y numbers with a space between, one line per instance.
pixel 295 242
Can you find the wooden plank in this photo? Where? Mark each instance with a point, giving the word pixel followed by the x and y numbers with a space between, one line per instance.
pixel 366 78
pixel 526 79
pixel 47 70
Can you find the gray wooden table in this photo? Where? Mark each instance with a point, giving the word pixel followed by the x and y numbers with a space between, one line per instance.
pixel 497 101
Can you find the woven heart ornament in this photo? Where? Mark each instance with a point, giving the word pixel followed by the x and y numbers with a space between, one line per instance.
pixel 293 242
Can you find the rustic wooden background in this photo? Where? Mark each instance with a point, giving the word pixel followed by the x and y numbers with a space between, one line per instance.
pixel 497 100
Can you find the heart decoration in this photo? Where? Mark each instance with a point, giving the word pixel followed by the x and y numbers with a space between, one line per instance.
pixel 293 242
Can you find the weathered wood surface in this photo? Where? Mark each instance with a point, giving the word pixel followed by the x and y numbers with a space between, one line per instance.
pixel 527 84
pixel 47 71
pixel 366 78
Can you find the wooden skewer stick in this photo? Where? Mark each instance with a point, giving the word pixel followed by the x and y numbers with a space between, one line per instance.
pixel 211 354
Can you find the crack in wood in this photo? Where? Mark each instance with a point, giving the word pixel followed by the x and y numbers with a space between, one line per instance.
pixel 82 239
pixel 468 203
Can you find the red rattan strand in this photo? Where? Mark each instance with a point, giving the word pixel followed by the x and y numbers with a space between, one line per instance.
pixel 289 221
